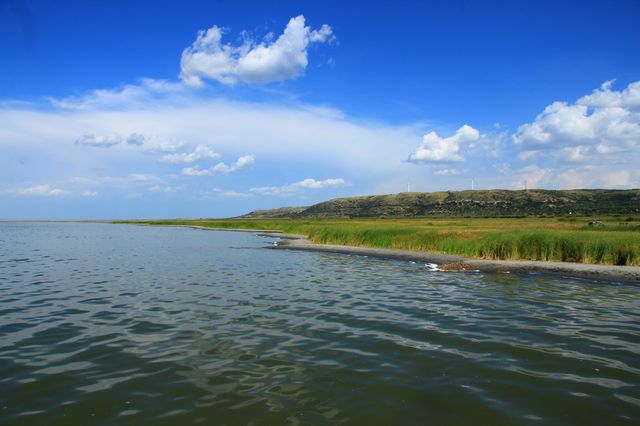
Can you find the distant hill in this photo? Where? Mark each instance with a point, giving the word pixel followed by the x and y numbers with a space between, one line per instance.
pixel 495 203
pixel 282 212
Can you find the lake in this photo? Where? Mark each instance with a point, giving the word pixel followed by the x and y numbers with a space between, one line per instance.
pixel 123 324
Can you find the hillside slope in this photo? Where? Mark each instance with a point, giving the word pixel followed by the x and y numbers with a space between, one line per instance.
pixel 496 203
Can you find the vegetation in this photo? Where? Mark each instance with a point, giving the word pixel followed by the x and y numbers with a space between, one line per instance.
pixel 566 239
pixel 493 203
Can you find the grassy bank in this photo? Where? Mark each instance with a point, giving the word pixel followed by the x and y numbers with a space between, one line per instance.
pixel 548 239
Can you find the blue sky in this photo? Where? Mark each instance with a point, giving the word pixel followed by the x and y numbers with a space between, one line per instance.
pixel 209 109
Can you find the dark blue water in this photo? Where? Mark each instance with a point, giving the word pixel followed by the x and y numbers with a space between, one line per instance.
pixel 121 324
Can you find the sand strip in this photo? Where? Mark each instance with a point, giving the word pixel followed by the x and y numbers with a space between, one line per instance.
pixel 448 262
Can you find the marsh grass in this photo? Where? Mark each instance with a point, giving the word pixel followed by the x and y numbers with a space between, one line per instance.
pixel 545 239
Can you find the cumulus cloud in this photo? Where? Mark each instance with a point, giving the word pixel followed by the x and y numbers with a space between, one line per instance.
pixel 196 171
pixel 202 152
pixel 318 184
pixel 250 62
pixel 437 149
pixel 293 188
pixel 241 162
pixel 606 120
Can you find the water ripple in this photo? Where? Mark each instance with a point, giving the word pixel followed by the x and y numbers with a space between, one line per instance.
pixel 129 325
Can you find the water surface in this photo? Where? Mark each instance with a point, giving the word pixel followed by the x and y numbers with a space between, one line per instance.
pixel 119 324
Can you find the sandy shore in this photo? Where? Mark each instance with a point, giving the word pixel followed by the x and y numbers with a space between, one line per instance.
pixel 448 262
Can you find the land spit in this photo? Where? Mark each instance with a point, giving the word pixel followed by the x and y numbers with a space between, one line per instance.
pixel 448 262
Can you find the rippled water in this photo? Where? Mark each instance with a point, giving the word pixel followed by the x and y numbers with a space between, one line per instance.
pixel 126 324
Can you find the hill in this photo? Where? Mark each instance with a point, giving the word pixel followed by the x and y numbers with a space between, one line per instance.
pixel 493 203
pixel 280 213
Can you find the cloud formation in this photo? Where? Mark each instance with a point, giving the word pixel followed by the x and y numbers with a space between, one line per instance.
pixel 436 149
pixel 231 194
pixel 107 141
pixel 293 188
pixel 604 122
pixel 202 152
pixel 38 190
pixel 251 62
pixel 241 162
pixel 446 172
pixel 167 189
pixel 99 141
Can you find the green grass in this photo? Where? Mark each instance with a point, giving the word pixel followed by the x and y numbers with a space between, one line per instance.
pixel 527 238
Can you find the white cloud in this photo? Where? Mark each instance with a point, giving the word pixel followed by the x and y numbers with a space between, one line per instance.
pixel 318 184
pixel 99 141
pixel 606 119
pixel 298 134
pixel 167 189
pixel 293 188
pixel 251 62
pixel 531 176
pixel 196 171
pixel 39 190
pixel 231 194
pixel 141 177
pixel 119 181
pixel 628 98
pixel 594 142
pixel 166 147
pixel 437 149
pixel 574 154
pixel 202 152
pixel 446 172
pixel 107 141
pixel 241 162
pixel 88 193
pixel 146 91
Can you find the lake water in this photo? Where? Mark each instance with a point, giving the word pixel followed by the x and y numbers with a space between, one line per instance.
pixel 122 324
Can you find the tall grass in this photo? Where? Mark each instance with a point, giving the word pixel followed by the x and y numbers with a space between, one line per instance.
pixel 526 239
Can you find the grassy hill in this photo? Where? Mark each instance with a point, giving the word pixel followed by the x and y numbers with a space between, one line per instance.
pixel 282 212
pixel 490 203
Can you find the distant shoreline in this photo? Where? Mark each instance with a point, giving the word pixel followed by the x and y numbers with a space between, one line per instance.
pixel 442 262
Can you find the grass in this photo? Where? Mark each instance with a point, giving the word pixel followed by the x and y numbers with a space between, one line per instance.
pixel 524 238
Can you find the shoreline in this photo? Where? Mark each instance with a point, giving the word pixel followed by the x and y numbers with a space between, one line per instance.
pixel 453 263
pixel 445 262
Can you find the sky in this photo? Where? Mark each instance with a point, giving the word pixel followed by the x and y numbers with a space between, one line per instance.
pixel 158 109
